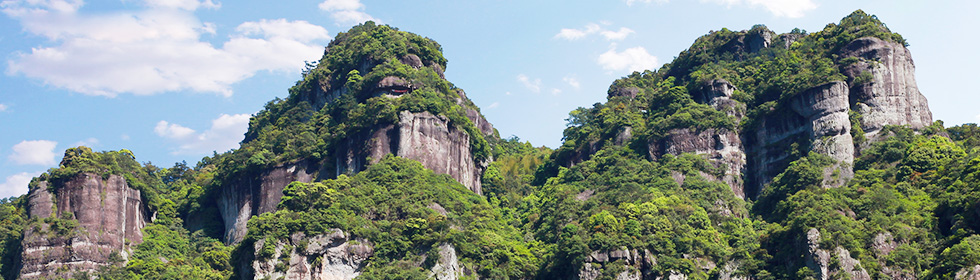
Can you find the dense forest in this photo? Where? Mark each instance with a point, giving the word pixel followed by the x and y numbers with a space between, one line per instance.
pixel 620 199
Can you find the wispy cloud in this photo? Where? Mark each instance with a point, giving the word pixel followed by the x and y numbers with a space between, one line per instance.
pixel 224 134
pixel 493 105
pixel 34 152
pixel 346 12
pixel 572 82
pixel 152 50
pixel 779 8
pixel 555 91
pixel 632 59
pixel 3 107
pixel 90 142
pixel 532 85
pixel 573 34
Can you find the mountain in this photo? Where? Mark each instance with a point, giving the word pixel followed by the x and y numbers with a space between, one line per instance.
pixel 752 155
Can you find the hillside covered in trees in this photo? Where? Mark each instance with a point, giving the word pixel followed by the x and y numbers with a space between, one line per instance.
pixel 752 155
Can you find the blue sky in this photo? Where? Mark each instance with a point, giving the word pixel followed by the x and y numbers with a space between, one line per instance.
pixel 174 80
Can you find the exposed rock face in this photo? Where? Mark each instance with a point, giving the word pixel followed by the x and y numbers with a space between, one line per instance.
pixel 817 116
pixel 639 265
pixel 723 147
pixel 110 218
pixel 891 96
pixel 447 267
pixel 972 273
pixel 332 256
pixel 256 194
pixel 818 260
pixel 423 137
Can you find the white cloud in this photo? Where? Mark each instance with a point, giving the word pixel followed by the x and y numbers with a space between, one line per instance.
pixel 346 12
pixel 632 59
pixel 124 137
pixel 779 8
pixel 493 105
pixel 507 93
pixel 87 142
pixel 555 91
pixel 3 107
pixel 36 152
pixel 572 82
pixel 575 34
pixel 978 117
pixel 617 35
pixel 572 34
pixel 156 49
pixel 533 85
pixel 16 185
pixel 224 134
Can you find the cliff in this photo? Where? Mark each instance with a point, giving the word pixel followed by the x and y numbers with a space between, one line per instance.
pixel 391 100
pixel 87 222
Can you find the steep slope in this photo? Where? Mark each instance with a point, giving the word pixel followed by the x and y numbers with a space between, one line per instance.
pixel 376 91
pixel 85 215
pixel 777 119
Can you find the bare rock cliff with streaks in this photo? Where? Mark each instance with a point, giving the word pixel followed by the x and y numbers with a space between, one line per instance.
pixel 110 217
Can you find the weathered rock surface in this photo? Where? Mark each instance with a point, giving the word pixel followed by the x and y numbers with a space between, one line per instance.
pixel 332 256
pixel 110 217
pixel 819 260
pixel 891 96
pixel 970 273
pixel 723 147
pixel 817 116
pixel 639 265
pixel 447 267
pixel 255 194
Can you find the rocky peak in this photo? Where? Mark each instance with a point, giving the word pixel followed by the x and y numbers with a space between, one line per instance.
pixel 108 218
pixel 883 87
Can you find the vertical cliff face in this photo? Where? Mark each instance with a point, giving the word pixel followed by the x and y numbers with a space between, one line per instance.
pixel 884 89
pixel 256 194
pixel 332 256
pixel 110 217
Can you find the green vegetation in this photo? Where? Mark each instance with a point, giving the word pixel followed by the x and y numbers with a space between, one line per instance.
pixel 912 206
pixel 393 204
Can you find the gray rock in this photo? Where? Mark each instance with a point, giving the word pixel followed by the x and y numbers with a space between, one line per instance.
pixel 818 260
pixel 722 147
pixel 327 256
pixel 968 273
pixel 447 267
pixel 891 96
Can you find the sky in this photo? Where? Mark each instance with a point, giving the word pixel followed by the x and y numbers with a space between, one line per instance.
pixel 176 80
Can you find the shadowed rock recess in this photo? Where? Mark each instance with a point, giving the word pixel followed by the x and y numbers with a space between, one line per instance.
pixel 752 155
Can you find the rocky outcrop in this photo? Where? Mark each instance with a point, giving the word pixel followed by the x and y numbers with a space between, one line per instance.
pixel 424 137
pixel 883 87
pixel 110 217
pixel 255 194
pixel 723 147
pixel 639 265
pixel 968 273
pixel 332 256
pixel 447 267
pixel 819 261
pixel 818 117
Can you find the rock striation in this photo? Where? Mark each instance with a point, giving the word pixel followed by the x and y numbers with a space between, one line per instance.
pixel 723 147
pixel 110 217
pixel 883 85
pixel 255 194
